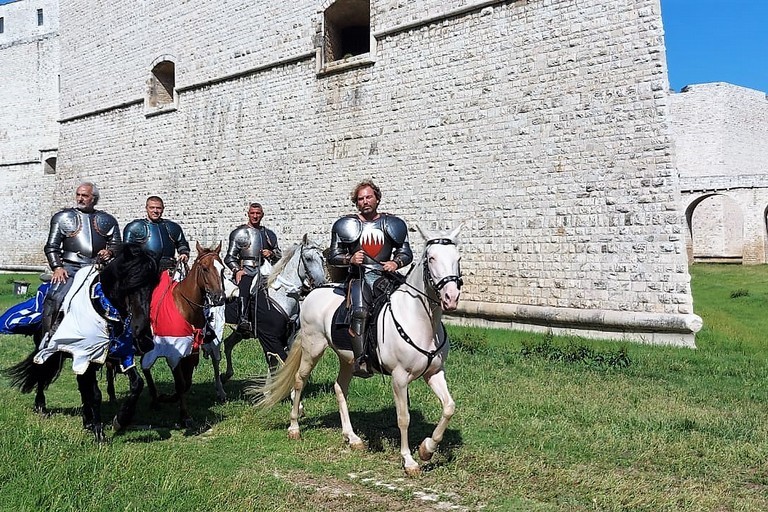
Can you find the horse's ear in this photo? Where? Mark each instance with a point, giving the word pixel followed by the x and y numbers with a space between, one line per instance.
pixel 198 247
pixel 305 239
pixel 217 249
pixel 454 235
pixel 426 235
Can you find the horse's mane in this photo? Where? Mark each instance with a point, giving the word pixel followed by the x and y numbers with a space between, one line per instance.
pixel 131 270
pixel 280 265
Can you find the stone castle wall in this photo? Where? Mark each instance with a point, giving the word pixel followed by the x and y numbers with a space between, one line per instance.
pixel 29 131
pixel 541 125
pixel 721 137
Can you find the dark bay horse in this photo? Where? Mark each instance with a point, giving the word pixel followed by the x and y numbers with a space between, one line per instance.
pixel 89 332
pixel 178 321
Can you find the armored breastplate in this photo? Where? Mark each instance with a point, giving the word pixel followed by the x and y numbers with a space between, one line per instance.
pixel 80 236
pixel 368 236
pixel 154 237
pixel 244 248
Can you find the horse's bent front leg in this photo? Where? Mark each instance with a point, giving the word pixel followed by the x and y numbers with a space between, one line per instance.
pixel 218 379
pixel 229 344
pixel 438 384
pixel 400 392
pixel 125 413
pixel 341 388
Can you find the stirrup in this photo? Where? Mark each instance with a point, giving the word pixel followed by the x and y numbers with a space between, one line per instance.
pixel 360 368
pixel 244 327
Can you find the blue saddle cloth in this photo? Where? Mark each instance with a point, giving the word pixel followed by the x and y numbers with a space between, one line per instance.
pixel 25 317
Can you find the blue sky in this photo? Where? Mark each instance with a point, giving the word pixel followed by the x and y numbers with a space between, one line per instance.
pixel 716 41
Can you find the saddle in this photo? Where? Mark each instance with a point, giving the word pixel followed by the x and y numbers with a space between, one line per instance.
pixel 381 291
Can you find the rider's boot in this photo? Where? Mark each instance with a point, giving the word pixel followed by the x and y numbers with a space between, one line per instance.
pixel 244 325
pixel 357 329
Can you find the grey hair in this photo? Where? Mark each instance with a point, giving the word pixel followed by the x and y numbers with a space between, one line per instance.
pixel 94 190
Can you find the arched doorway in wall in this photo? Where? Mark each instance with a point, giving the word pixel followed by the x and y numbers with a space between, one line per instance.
pixel 716 229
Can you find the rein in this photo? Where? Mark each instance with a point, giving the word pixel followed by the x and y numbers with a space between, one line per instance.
pixel 428 280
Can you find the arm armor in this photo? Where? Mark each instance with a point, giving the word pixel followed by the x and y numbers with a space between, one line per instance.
pixel 398 232
pixel 345 232
pixel 177 235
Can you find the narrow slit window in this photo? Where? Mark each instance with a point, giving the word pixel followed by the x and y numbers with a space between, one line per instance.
pixel 2 24
pixel 39 17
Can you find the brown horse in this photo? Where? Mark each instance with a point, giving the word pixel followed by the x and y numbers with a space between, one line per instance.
pixel 178 321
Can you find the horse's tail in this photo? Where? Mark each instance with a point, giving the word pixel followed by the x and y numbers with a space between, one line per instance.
pixel 271 390
pixel 27 375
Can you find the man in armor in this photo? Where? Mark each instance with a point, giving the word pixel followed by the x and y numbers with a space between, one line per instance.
pixel 158 237
pixel 368 243
pixel 77 237
pixel 250 245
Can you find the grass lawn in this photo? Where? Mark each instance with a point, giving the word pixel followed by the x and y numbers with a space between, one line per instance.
pixel 541 423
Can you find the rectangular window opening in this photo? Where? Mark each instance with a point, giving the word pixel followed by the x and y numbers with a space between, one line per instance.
pixel 39 17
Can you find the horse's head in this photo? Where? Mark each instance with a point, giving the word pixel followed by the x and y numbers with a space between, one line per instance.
pixel 442 268
pixel 208 270
pixel 128 282
pixel 312 264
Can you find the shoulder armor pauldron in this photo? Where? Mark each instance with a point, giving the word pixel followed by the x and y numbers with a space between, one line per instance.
pixel 348 228
pixel 395 228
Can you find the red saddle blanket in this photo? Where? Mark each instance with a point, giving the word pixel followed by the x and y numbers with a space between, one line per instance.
pixel 165 316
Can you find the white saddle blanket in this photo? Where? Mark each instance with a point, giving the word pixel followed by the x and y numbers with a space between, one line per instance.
pixel 82 332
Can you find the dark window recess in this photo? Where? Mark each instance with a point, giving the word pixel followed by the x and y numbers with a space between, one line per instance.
pixel 347 29
pixel 2 25
pixel 161 84
pixel 50 165
pixel 39 17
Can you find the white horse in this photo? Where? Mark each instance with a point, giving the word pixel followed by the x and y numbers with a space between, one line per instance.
pixel 300 269
pixel 412 343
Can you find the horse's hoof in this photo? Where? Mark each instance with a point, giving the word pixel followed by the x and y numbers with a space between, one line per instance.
pixel 41 410
pixel 116 426
pixel 357 445
pixel 188 423
pixel 225 377
pixel 99 435
pixel 413 471
pixel 294 435
pixel 424 454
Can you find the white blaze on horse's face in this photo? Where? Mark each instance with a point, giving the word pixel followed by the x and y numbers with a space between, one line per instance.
pixel 443 262
pixel 218 294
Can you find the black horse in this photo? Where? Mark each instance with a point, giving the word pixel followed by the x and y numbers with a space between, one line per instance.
pixel 127 282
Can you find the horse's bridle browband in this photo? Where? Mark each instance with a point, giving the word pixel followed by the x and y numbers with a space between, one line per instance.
pixel 447 279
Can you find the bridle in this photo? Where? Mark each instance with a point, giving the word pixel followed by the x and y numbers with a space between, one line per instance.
pixel 207 302
pixel 428 279
pixel 307 282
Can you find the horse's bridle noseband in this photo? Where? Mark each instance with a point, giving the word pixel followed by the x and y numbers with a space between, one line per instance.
pixel 447 279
